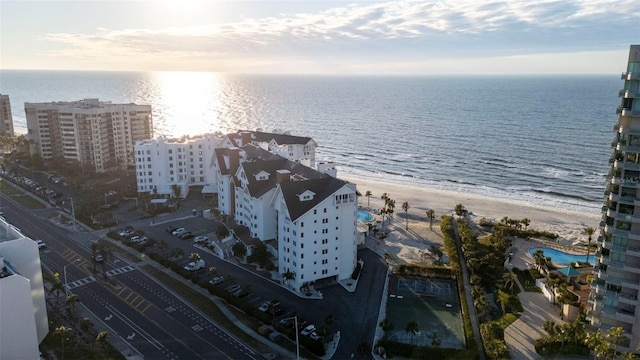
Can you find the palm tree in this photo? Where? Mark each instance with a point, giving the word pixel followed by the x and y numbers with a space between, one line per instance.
pixel 72 299
pixel 615 335
pixel 430 216
pixel 526 222
pixel 288 275
pixel 62 331
pixel 589 230
pixel 597 342
pixel 368 194
pixel 57 288
pixel 459 210
pixel 509 280
pixel 482 305
pixel 405 208
pixel 102 338
pixel 412 328
pixel 194 257
pixel 539 259
pixel 213 271
pixel 550 327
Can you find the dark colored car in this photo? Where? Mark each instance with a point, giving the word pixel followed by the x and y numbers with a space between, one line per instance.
pixel 171 229
pixel 187 235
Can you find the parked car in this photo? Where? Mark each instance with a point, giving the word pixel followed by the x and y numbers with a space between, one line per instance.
pixel 199 239
pixel 263 307
pixel 194 265
pixel 99 258
pixel 171 229
pixel 314 336
pixel 139 239
pixel 217 280
pixel 187 235
pixel 308 330
pixel 179 231
pixel 240 293
pixel 233 288
pixel 41 244
pixel 126 232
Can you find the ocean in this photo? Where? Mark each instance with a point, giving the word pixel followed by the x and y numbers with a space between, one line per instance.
pixel 544 140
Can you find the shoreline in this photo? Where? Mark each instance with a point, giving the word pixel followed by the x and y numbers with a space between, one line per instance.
pixel 569 225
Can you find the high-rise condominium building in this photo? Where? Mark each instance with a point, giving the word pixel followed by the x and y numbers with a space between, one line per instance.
pixel 614 295
pixel 23 310
pixel 99 135
pixel 6 119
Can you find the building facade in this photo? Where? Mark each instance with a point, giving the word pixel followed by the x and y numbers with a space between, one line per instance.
pixel 614 293
pixel 23 313
pixel 165 165
pixel 311 215
pixel 317 229
pixel 99 135
pixel 6 118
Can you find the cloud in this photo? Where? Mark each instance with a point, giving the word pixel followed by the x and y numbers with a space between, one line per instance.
pixel 375 32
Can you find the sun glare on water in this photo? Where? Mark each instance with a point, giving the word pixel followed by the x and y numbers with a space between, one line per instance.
pixel 188 101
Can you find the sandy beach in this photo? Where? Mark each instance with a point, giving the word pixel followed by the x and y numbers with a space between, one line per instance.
pixel 409 245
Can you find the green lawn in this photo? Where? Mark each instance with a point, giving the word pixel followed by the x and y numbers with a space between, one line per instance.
pixel 27 201
pixel 18 196
pixel 8 189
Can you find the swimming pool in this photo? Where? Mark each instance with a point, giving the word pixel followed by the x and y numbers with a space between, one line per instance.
pixel 561 257
pixel 365 216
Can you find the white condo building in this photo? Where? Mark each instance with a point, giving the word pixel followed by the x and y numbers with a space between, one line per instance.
pixel 614 299
pixel 266 182
pixel 311 215
pixel 23 313
pixel 163 164
pixel 99 135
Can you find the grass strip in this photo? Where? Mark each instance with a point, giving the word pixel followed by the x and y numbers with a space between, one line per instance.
pixel 27 201
pixel 8 189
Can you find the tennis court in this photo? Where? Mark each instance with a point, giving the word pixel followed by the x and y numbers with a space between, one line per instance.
pixel 433 304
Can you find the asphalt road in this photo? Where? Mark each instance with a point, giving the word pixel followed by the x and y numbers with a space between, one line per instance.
pixel 355 314
pixel 142 312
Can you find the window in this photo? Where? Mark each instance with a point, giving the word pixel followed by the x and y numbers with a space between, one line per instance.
pixel 324 251
pixel 324 262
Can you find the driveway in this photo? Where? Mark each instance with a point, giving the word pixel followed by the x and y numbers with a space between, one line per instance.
pixel 522 334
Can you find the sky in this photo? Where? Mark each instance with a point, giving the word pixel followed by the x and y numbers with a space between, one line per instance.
pixel 321 37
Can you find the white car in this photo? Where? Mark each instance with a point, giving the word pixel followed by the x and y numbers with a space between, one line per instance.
pixel 179 231
pixel 139 239
pixel 199 239
pixel 41 244
pixel 308 330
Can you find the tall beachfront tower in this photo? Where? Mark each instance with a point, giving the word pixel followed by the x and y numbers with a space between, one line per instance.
pixel 6 119
pixel 616 285
pixel 98 134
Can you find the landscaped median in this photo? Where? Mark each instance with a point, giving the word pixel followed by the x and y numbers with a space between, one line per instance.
pixel 20 196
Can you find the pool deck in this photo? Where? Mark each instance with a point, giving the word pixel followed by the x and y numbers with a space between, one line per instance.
pixel 521 258
pixel 522 334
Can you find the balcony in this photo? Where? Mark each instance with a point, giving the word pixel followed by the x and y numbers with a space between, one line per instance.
pixel 631 284
pixel 630 76
pixel 628 94
pixel 627 147
pixel 627 112
pixel 632 268
pixel 627 299
pixel 625 316
pixel 633 251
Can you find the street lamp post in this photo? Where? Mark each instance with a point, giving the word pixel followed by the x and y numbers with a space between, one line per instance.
pixel 295 328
